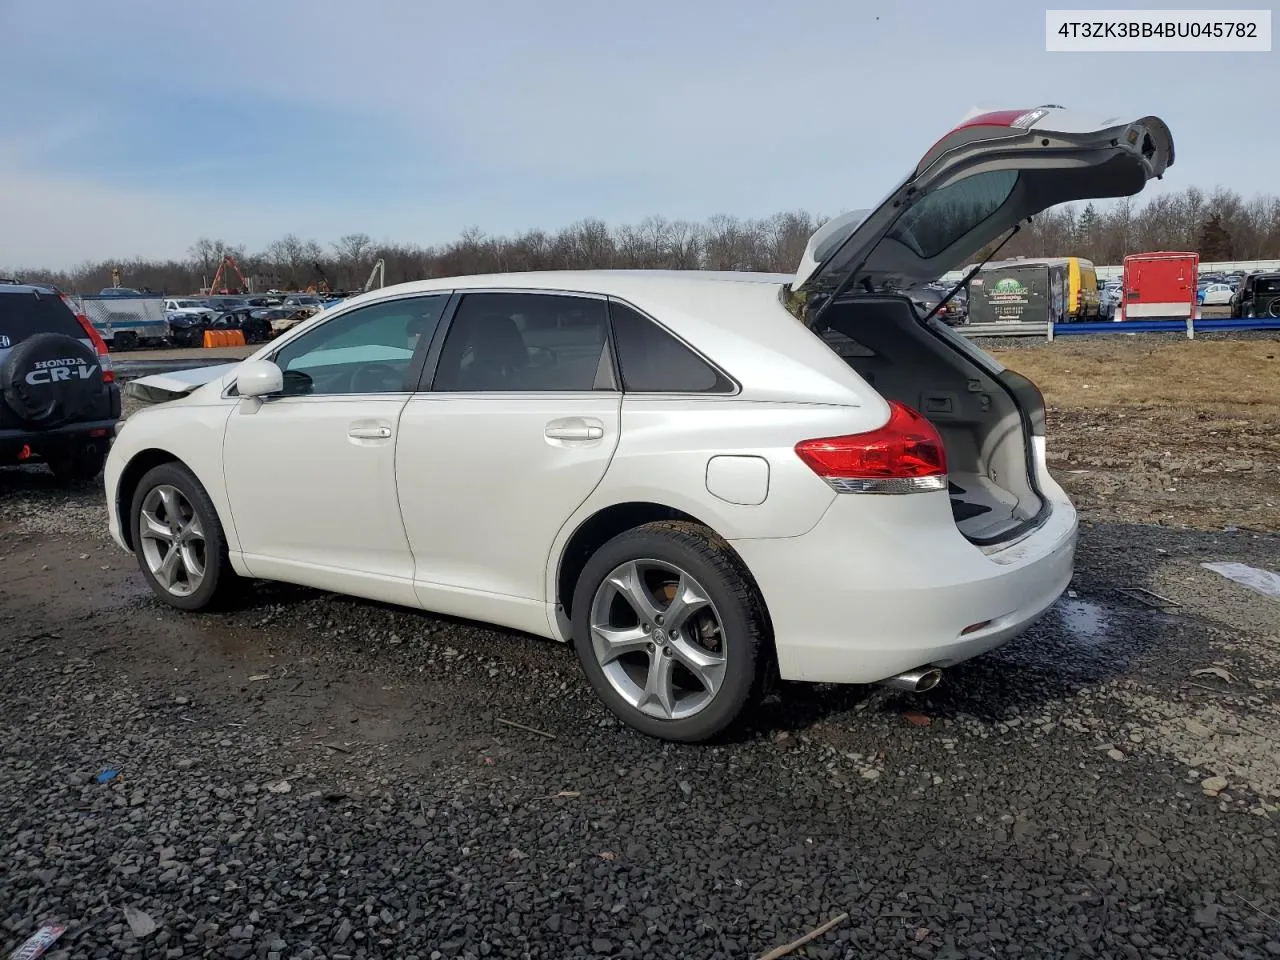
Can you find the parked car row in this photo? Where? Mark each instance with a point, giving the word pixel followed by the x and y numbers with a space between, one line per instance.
pixel 259 318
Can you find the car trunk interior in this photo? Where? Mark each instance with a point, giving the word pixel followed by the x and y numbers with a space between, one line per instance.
pixel 993 495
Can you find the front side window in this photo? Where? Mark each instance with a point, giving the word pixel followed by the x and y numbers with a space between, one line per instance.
pixel 526 342
pixel 369 350
pixel 946 215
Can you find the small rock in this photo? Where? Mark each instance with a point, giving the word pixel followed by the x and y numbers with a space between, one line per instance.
pixel 343 932
pixel 1208 916
pixel 871 773
pixel 686 788
pixel 600 945
pixel 140 924
pixel 1194 726
pixel 1213 785
pixel 1115 754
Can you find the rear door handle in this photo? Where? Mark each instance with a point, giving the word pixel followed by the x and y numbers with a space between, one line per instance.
pixel 574 428
pixel 368 430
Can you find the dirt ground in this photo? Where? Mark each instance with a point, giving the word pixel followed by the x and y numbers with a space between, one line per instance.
pixel 1174 432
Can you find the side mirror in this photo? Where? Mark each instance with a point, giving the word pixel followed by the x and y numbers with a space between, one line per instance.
pixel 259 378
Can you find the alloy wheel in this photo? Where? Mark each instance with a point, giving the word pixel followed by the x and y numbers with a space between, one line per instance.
pixel 658 639
pixel 172 540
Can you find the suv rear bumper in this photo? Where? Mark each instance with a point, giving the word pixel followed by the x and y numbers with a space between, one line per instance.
pixel 36 443
pixel 883 585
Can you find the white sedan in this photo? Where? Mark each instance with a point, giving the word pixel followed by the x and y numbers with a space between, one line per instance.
pixel 1218 294
pixel 703 481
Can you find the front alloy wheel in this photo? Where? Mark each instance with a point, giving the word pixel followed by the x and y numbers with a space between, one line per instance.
pixel 178 539
pixel 172 540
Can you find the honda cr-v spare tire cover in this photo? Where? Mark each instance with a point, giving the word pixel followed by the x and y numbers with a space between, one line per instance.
pixel 51 379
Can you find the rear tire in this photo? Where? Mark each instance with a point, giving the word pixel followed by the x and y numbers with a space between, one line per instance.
pixel 179 541
pixel 79 467
pixel 671 631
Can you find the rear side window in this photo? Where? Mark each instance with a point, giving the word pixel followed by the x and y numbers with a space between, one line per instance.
pixel 23 315
pixel 653 361
pixel 526 342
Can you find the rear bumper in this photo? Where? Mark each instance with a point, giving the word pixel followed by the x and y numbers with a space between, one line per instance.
pixel 887 584
pixel 21 446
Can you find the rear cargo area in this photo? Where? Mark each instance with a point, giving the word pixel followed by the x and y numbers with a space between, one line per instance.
pixel 993 493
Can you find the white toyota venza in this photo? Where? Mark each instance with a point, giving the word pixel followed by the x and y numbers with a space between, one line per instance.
pixel 703 481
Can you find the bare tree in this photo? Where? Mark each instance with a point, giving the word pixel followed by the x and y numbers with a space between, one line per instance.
pixel 1102 232
pixel 353 252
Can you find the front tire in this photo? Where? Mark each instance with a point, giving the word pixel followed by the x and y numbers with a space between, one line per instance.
pixel 671 631
pixel 178 540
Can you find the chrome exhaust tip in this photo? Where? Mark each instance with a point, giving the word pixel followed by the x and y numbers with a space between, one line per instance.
pixel 915 681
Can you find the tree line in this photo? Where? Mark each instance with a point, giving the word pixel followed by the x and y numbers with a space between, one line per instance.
pixel 1219 226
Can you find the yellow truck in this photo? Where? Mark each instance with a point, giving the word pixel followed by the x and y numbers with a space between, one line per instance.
pixel 1084 302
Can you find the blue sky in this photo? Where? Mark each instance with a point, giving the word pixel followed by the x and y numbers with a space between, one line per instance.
pixel 132 128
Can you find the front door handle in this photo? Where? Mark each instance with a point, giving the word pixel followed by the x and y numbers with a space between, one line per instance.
pixel 365 430
pixel 574 428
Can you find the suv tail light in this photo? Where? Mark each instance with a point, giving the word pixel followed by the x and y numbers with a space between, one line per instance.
pixel 906 455
pixel 100 345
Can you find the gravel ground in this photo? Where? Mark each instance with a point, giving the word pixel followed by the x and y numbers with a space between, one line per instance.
pixel 310 776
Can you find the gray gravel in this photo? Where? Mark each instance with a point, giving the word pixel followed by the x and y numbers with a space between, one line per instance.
pixel 312 776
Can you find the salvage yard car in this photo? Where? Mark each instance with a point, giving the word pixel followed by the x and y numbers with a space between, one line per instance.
pixel 703 481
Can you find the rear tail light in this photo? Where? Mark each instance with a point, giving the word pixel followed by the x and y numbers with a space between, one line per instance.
pixel 99 345
pixel 906 455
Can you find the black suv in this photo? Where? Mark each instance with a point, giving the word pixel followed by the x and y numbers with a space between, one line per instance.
pixel 1257 296
pixel 59 402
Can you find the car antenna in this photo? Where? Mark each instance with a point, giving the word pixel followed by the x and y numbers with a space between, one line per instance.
pixel 964 281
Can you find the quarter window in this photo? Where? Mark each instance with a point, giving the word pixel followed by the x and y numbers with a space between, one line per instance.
pixel 653 361
pixel 368 350
pixel 526 342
